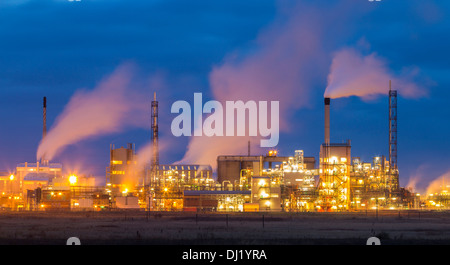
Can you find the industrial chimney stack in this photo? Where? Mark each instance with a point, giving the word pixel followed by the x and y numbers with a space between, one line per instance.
pixel 44 128
pixel 327 121
pixel 155 157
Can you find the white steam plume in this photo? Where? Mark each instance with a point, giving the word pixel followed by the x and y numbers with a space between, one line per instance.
pixel 366 76
pixel 439 184
pixel 279 69
pixel 105 109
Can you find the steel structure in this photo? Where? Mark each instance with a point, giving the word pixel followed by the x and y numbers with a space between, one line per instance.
pixel 44 127
pixel 393 169
pixel 155 157
pixel 44 161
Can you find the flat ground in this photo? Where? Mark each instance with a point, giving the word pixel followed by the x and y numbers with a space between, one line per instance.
pixel 161 228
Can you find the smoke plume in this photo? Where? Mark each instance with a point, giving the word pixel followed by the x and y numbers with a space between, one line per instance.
pixel 366 76
pixel 145 153
pixel 416 178
pixel 289 59
pixel 105 109
pixel 143 158
pixel 439 184
pixel 279 69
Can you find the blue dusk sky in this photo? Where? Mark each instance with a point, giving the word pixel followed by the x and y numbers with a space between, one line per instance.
pixel 109 56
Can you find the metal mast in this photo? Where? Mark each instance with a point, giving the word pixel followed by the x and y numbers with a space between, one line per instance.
pixel 393 169
pixel 155 157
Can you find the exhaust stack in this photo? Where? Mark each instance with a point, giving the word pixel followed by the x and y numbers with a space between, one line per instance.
pixel 44 161
pixel 44 128
pixel 155 157
pixel 327 120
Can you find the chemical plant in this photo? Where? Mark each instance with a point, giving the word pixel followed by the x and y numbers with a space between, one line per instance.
pixel 338 181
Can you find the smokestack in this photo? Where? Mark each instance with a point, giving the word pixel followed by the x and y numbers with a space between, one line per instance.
pixel 44 161
pixel 44 128
pixel 155 158
pixel 327 120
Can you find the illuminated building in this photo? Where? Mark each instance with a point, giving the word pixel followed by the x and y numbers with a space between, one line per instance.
pixel 36 175
pixel 122 171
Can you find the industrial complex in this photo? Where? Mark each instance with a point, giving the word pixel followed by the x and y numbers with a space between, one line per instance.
pixel 337 181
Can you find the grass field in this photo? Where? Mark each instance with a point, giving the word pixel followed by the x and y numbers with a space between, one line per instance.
pixel 170 228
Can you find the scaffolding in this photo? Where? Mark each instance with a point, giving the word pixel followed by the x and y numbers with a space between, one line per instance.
pixel 393 168
pixel 334 180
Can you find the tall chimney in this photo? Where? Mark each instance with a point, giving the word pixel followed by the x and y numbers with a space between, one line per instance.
pixel 44 161
pixel 327 121
pixel 44 128
pixel 155 157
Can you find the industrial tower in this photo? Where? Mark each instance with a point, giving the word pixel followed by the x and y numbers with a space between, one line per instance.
pixel 393 169
pixel 334 169
pixel 155 156
pixel 44 161
pixel 44 128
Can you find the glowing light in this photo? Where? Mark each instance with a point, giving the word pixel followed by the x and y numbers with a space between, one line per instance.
pixel 264 195
pixel 11 177
pixel 333 160
pixel 73 179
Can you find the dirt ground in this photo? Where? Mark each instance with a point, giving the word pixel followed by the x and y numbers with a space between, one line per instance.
pixel 170 228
